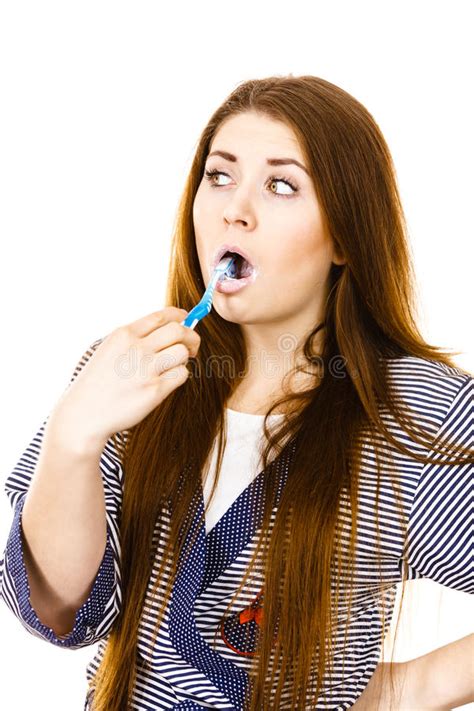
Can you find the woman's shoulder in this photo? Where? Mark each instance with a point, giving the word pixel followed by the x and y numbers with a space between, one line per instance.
pixel 426 368
pixel 429 387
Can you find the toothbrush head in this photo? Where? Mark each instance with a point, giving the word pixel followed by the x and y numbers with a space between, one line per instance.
pixel 222 267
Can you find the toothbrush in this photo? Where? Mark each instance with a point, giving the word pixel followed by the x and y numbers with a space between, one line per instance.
pixel 204 306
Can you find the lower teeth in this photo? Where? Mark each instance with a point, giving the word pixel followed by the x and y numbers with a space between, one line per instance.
pixel 235 277
pixel 236 272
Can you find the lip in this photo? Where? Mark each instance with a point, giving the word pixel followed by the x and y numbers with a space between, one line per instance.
pixel 231 248
pixel 231 286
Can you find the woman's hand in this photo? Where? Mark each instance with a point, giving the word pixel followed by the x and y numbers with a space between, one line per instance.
pixel 132 371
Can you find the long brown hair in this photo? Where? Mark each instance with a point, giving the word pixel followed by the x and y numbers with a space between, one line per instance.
pixel 370 316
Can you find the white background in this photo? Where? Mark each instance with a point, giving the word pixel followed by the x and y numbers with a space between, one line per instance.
pixel 102 104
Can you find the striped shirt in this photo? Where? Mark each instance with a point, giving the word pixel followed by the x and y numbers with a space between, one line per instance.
pixel 202 654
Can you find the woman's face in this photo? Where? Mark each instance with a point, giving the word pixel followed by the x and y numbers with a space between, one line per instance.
pixel 272 213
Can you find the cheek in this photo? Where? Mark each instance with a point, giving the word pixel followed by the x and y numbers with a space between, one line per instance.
pixel 301 253
pixel 199 231
pixel 303 238
pixel 199 204
pixel 199 219
pixel 197 212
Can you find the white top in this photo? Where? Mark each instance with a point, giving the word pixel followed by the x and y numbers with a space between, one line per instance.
pixel 241 462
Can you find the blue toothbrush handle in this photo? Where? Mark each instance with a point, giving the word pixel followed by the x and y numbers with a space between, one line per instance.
pixel 190 321
pixel 195 315
pixel 204 306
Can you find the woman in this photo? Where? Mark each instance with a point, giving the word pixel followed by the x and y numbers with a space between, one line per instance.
pixel 240 572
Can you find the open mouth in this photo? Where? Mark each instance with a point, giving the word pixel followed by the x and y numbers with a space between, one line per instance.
pixel 239 269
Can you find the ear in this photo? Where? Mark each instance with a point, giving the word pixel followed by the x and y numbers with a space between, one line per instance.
pixel 337 258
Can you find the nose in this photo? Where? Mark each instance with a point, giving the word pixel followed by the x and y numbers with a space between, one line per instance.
pixel 238 215
pixel 230 220
pixel 238 210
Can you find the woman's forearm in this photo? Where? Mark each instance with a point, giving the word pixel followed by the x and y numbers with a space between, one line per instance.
pixel 388 689
pixel 445 677
pixel 438 681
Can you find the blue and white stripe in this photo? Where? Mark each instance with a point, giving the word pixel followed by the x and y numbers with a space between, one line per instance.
pixel 194 663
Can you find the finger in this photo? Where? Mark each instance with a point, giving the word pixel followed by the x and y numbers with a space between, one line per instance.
pixel 172 378
pixel 170 334
pixel 169 358
pixel 147 324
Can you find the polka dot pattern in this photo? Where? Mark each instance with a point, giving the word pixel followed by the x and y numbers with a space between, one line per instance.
pixel 88 617
pixel 207 559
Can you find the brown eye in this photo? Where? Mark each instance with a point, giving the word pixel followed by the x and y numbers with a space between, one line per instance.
pixel 286 182
pixel 211 174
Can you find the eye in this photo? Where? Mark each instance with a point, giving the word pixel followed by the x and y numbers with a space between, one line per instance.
pixel 210 174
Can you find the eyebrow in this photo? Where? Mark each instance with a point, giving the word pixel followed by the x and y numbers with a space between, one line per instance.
pixel 270 161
